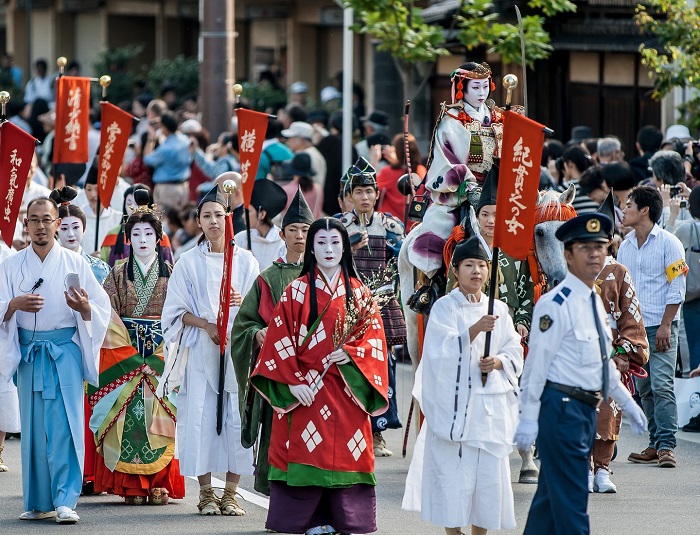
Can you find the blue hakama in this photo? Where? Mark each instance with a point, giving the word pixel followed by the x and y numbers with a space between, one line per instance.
pixel 50 385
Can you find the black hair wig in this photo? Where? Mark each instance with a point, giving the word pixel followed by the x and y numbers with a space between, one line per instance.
pixel 63 197
pixel 141 197
pixel 119 245
pixel 347 263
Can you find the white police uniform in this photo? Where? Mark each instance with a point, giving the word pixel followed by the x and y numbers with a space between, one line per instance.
pixel 561 386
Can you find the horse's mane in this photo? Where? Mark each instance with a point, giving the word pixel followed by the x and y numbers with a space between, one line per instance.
pixel 549 208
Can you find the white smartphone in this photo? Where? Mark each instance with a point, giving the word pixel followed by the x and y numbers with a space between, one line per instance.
pixel 72 281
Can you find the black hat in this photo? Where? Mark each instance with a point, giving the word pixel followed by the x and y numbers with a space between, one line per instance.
pixel 268 196
pixel 607 207
pixel 579 133
pixel 361 173
pixel 471 248
pixel 300 165
pixel 215 194
pixel 377 117
pixel 595 227
pixel 91 177
pixel 298 211
pixel 336 121
pixel 489 190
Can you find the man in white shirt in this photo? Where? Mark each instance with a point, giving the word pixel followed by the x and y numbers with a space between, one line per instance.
pixel 41 86
pixel 656 261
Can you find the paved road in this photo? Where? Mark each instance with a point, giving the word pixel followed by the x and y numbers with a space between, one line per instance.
pixel 649 501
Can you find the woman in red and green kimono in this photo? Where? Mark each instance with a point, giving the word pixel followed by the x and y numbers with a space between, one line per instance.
pixel 323 369
pixel 135 429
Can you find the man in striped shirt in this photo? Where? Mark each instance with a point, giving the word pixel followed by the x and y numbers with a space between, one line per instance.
pixel 656 260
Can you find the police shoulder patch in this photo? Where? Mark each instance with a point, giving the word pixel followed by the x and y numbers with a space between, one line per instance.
pixel 545 323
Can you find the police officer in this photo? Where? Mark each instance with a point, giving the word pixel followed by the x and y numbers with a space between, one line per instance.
pixel 566 375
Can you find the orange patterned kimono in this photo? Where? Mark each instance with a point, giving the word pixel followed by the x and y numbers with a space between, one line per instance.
pixel 134 429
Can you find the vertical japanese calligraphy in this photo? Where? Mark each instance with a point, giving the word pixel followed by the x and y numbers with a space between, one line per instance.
pixel 16 153
pixel 115 129
pixel 252 126
pixel 518 182
pixel 72 120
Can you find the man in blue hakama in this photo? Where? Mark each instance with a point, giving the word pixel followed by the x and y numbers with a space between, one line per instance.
pixel 54 318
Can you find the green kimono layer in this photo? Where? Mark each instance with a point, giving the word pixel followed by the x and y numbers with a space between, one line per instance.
pixel 254 315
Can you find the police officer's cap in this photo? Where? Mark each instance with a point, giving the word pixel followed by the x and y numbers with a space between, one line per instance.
pixel 595 227
pixel 471 248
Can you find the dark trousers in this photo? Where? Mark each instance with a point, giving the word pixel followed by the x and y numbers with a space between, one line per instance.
pixel 566 435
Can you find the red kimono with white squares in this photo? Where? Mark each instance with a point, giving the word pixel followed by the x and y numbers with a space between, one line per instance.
pixel 328 444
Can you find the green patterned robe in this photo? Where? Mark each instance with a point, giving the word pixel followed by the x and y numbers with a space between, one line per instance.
pixel 255 314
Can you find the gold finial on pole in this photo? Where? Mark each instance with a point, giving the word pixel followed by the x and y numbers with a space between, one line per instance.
pixel 61 62
pixel 4 99
pixel 229 186
pixel 510 82
pixel 105 80
pixel 237 90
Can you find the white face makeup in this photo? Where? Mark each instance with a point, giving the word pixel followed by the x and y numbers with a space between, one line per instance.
pixel 143 242
pixel 71 232
pixel 477 92
pixel 328 249
pixel 130 204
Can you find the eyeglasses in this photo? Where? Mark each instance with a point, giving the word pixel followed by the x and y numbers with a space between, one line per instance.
pixel 44 222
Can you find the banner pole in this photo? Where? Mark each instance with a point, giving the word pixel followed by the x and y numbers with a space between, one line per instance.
pixel 492 297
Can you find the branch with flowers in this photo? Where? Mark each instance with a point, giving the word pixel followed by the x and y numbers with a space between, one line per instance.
pixel 359 314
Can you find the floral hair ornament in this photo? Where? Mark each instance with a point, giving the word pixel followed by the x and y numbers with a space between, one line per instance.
pixel 481 71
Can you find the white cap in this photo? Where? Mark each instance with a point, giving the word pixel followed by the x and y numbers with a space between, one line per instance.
pixel 298 87
pixel 191 126
pixel 679 131
pixel 330 93
pixel 299 129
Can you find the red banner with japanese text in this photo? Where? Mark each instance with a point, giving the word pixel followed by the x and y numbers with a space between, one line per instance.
pixel 225 290
pixel 115 129
pixel 252 127
pixel 518 182
pixel 70 144
pixel 16 153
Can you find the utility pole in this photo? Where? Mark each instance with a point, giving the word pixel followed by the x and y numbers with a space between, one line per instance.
pixel 216 60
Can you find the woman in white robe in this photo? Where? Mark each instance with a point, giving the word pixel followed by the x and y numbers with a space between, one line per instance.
pixel 189 330
pixel 460 473
pixel 9 402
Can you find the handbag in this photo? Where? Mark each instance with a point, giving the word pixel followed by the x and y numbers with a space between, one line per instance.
pixel 692 259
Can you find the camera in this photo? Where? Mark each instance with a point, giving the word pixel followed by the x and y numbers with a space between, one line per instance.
pixel 684 203
pixel 675 191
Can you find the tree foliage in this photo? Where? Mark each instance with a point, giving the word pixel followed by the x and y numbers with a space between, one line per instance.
pixel 181 72
pixel 117 63
pixel 400 29
pixel 677 64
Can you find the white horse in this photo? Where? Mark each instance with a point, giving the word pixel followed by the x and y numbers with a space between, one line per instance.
pixel 553 209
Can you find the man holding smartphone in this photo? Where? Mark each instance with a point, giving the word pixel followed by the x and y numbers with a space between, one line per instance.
pixel 51 337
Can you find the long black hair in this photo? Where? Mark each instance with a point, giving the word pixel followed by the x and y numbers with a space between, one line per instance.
pixel 141 198
pixel 119 245
pixel 346 262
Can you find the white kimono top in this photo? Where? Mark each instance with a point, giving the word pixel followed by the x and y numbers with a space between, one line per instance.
pixel 19 273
